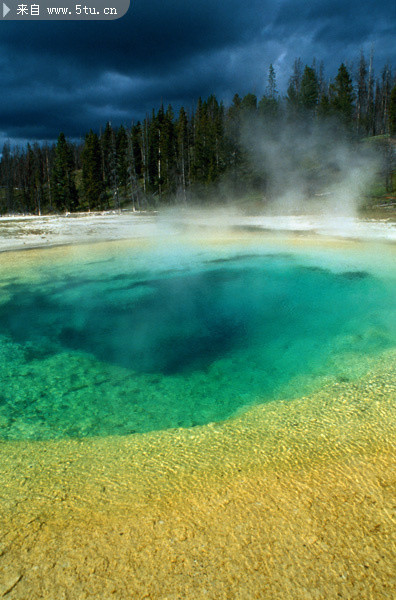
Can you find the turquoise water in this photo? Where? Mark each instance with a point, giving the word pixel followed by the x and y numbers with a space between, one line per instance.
pixel 140 340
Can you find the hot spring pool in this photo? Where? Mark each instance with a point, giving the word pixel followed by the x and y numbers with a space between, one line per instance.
pixel 122 338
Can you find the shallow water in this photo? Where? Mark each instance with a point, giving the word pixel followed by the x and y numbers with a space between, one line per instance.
pixel 122 339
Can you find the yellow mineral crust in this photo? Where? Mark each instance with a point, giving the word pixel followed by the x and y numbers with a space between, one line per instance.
pixel 291 499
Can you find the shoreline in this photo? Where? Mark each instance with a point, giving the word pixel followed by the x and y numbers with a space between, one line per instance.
pixel 286 498
pixel 34 232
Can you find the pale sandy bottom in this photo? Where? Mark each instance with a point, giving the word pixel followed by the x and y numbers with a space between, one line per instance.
pixel 287 500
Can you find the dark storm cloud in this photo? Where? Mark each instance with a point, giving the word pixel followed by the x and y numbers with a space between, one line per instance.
pixel 339 22
pixel 71 76
pixel 151 36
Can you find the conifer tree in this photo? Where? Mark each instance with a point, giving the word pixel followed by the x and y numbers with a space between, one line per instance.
pixel 216 112
pixel 153 158
pixel 362 93
pixel 309 90
pixel 182 151
pixel 386 88
pixel 113 172
pixel 167 149
pixel 370 118
pixel 92 172
pixel 268 106
pixel 249 105
pixel 293 90
pixel 392 112
pixel 105 147
pixel 271 91
pixel 200 157
pixel 343 95
pixel 377 108
pixel 48 153
pixel 322 87
pixel 145 154
pixel 39 178
pixel 28 181
pixel 121 152
pixel 63 186
pixel 136 140
pixel 232 133
pixel 132 177
pixel 324 108
pixel 7 177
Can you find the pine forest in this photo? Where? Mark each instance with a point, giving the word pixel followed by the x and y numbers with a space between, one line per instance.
pixel 201 153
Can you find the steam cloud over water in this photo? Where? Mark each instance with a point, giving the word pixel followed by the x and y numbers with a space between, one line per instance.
pixel 309 169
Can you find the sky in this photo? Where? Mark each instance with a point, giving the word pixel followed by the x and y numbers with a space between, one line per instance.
pixel 73 76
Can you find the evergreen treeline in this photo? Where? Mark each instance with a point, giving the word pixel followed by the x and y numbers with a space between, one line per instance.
pixel 167 157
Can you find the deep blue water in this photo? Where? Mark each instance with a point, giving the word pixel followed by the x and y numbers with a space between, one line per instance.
pixel 108 347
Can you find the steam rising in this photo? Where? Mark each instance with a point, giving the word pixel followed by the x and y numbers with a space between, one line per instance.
pixel 314 169
pixel 314 177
